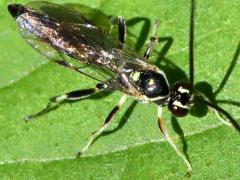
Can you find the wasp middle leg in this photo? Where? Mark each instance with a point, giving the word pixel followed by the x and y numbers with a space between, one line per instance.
pixel 107 122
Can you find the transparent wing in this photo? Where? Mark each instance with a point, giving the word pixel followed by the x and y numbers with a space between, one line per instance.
pixel 67 14
pixel 82 45
pixel 57 12
pixel 99 73
pixel 129 58
pixel 80 29
pixel 84 15
pixel 53 54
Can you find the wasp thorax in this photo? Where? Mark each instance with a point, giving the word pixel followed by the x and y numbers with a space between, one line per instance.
pixel 179 99
pixel 150 83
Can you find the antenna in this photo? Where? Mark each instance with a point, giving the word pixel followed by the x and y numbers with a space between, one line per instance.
pixel 191 45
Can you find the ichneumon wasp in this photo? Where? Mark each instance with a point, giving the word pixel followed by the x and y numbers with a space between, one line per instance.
pixel 114 67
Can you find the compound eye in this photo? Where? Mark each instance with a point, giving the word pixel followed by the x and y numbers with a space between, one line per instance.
pixel 178 111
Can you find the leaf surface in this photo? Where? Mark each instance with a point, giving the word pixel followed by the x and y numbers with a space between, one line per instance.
pixel 45 147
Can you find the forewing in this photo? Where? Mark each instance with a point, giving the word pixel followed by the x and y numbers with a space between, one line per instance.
pixel 58 12
pixel 92 35
pixel 62 14
pixel 79 31
pixel 41 46
pixel 129 59
pixel 99 73
pixel 51 53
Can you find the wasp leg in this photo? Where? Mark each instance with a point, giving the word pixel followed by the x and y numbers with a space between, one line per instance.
pixel 164 131
pixel 153 41
pixel 55 101
pixel 121 23
pixel 107 122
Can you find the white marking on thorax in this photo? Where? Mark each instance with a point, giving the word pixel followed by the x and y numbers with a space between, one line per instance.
pixel 135 75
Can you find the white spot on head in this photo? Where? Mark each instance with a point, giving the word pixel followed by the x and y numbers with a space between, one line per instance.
pixel 182 90
pixel 179 104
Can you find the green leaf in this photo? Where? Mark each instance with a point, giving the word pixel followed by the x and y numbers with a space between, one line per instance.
pixel 45 148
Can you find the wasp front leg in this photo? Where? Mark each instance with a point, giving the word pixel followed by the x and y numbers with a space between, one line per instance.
pixel 164 131
pixel 55 101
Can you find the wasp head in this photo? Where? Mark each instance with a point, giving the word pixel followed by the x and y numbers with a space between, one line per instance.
pixel 179 99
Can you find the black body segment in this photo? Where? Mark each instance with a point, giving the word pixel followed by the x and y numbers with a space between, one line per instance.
pixel 180 99
pixel 152 84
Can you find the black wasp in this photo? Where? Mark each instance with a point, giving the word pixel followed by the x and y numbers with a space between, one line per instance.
pixel 80 40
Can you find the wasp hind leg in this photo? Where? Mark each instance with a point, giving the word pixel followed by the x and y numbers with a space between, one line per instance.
pixel 107 122
pixel 164 131
pixel 55 101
